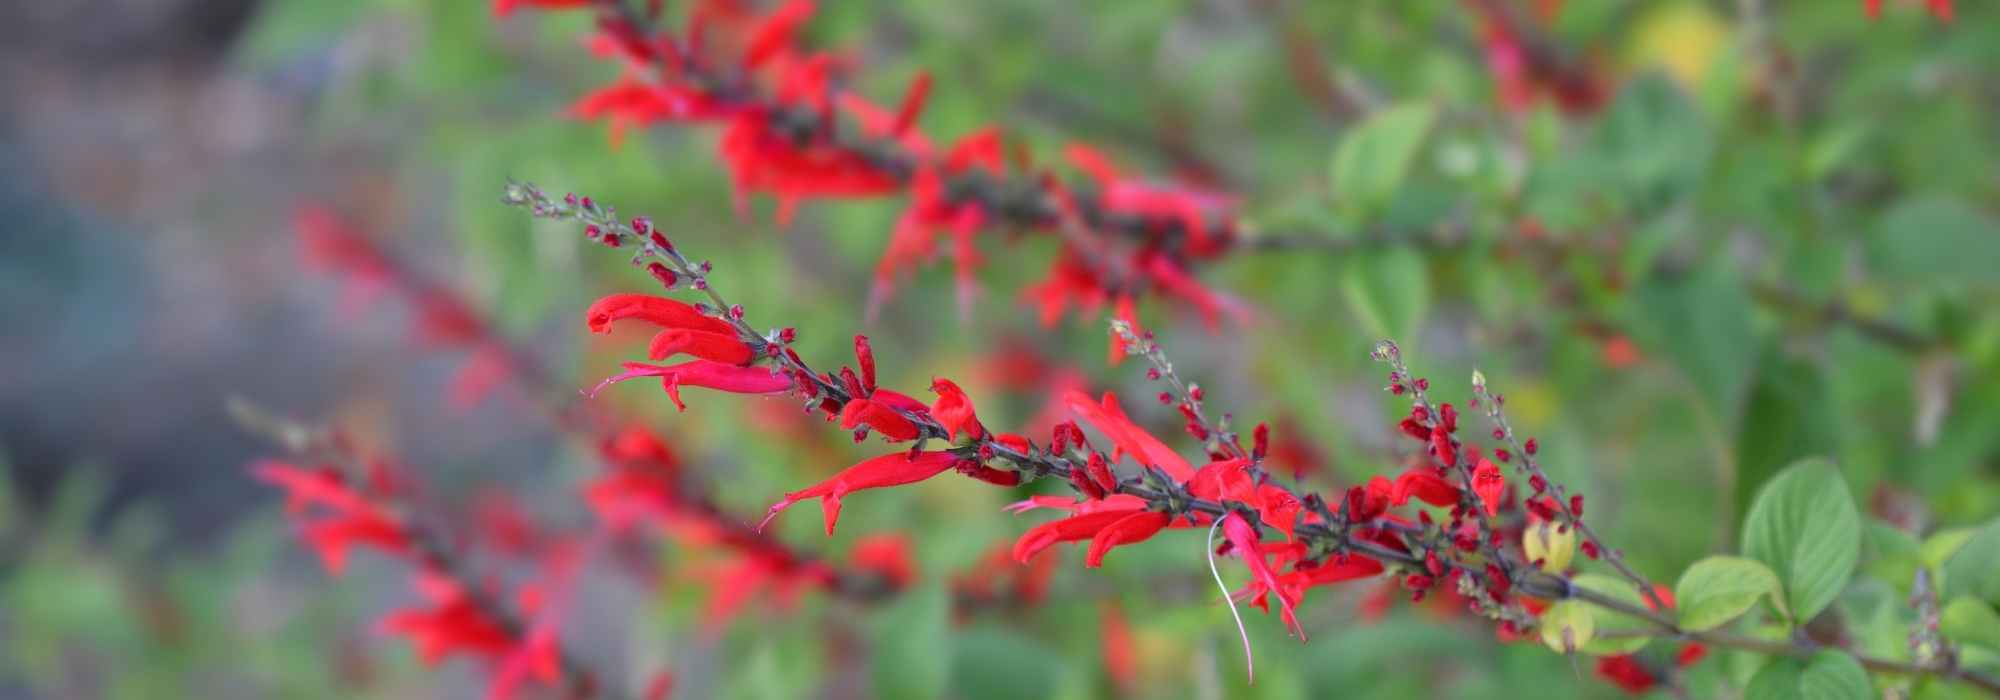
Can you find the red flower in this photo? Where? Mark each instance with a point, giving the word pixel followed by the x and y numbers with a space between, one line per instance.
pixel 954 410
pixel 454 623
pixel 888 555
pixel 702 373
pixel 1626 672
pixel 1131 529
pixel 1243 539
pixel 347 517
pixel 894 469
pixel 1127 437
pixel 332 537
pixel 774 34
pixel 630 102
pixel 1489 484
pixel 706 345
pixel 883 419
pixel 1426 486
pixel 1075 528
pixel 659 311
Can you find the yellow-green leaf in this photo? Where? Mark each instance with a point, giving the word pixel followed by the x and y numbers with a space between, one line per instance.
pixel 1715 590
pixel 1375 156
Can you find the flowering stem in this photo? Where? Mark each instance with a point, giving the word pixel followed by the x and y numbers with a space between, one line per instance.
pixel 1493 403
pixel 1334 534
pixel 1018 201
pixel 430 547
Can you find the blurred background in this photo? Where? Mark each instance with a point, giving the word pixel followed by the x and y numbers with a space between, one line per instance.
pixel 1691 241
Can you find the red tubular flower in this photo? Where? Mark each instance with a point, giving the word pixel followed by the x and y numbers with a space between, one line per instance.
pixel 718 347
pixel 888 555
pixel 659 311
pixel 1131 529
pixel 454 623
pixel 913 104
pixel 954 410
pixel 630 102
pixel 348 518
pixel 1243 539
pixel 1128 437
pixel 333 536
pixel 1489 484
pixel 864 355
pixel 707 374
pixel 1627 673
pixel 1075 528
pixel 1426 486
pixel 883 419
pixel 894 469
pixel 1344 568
pixel 774 34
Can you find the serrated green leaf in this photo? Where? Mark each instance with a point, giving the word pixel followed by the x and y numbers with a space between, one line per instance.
pixel 1375 156
pixel 1805 527
pixel 1717 589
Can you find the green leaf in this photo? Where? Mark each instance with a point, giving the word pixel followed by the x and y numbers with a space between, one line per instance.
pixel 1804 526
pixel 1930 239
pixel 1715 590
pixel 1777 680
pixel 913 650
pixel 1375 156
pixel 1889 554
pixel 1829 675
pixel 1653 140
pixel 1631 629
pixel 1974 569
pixel 1569 626
pixel 1389 292
pixel 1968 620
pixel 1835 675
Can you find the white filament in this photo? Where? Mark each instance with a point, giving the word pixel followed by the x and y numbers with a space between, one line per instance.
pixel 1249 662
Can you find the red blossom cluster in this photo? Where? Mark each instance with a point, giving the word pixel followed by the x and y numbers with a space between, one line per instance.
pixel 1129 485
pixel 791 130
pixel 513 628
pixel 643 489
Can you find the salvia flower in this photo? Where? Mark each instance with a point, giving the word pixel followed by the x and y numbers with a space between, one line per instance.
pixel 893 469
